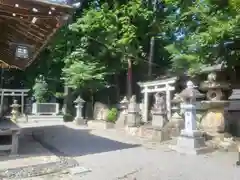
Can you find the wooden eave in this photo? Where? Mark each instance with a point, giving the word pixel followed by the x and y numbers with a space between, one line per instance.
pixel 17 26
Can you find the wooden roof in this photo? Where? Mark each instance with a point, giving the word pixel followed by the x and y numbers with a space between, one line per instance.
pixel 28 22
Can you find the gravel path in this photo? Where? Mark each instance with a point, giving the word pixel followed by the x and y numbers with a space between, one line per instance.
pixel 113 155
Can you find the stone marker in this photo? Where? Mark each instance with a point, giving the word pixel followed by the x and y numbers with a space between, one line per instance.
pixel 191 140
pixel 100 111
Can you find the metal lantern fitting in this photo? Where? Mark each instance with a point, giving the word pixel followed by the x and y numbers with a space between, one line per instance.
pixel 22 52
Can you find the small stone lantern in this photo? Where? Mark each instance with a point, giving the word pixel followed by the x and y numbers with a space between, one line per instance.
pixel 124 103
pixel 79 106
pixel 177 115
pixel 121 122
pixel 133 117
pixel 15 110
pixel 191 140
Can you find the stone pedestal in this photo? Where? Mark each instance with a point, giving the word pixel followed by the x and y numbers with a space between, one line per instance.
pixel 213 122
pixel 159 119
pixel 191 141
pixel 133 119
pixel 79 120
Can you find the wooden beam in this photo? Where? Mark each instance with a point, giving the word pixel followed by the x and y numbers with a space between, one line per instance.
pixel 28 11
pixel 41 48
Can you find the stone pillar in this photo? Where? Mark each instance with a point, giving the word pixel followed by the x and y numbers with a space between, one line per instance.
pixel 168 101
pixel 145 108
pixel 15 142
pixel 133 117
pixel 79 120
pixel 159 112
pixel 191 140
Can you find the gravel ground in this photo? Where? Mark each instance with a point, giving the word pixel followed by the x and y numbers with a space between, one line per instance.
pixel 112 155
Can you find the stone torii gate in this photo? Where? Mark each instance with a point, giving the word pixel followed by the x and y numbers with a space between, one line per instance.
pixel 14 93
pixel 164 85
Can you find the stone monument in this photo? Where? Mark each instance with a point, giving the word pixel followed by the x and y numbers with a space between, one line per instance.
pixel 191 140
pixel 213 122
pixel 133 117
pixel 159 111
pixel 79 120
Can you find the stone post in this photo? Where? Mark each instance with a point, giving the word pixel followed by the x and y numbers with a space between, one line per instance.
pixel 15 142
pixel 191 140
pixel 159 112
pixel 79 120
pixel 121 122
pixel 133 117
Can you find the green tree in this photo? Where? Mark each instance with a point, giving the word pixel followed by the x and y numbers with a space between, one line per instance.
pixel 109 37
pixel 205 32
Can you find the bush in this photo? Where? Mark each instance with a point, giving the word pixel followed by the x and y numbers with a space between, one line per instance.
pixel 68 118
pixel 112 115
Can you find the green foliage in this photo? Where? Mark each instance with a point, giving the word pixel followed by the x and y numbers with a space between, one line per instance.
pixel 100 43
pixel 68 117
pixel 206 32
pixel 112 115
pixel 59 95
pixel 40 90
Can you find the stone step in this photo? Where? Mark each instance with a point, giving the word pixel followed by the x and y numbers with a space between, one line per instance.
pixel 33 118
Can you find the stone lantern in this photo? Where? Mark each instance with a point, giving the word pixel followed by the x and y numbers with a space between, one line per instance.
pixel 15 110
pixel 191 140
pixel 122 119
pixel 133 117
pixel 79 106
pixel 176 101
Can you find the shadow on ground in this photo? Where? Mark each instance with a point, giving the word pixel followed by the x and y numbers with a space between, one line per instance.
pixel 77 142
pixel 64 141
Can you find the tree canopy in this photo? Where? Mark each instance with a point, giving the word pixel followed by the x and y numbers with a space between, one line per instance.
pixel 104 35
pixel 206 32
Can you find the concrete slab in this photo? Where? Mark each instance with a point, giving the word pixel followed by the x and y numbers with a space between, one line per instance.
pixel 30 153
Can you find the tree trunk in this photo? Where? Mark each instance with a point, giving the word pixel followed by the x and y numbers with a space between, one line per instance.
pixel 129 79
pixel 152 43
pixel 117 87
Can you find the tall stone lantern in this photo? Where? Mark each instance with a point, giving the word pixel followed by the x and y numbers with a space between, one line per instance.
pixel 191 140
pixel 213 122
pixel 79 106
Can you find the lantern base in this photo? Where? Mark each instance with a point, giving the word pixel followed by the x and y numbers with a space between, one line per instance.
pixel 79 121
pixel 191 143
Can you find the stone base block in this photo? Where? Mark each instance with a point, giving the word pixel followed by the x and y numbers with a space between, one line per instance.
pixel 149 132
pixel 100 124
pixel 133 119
pixel 80 121
pixel 191 144
pixel 159 120
pixel 213 122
